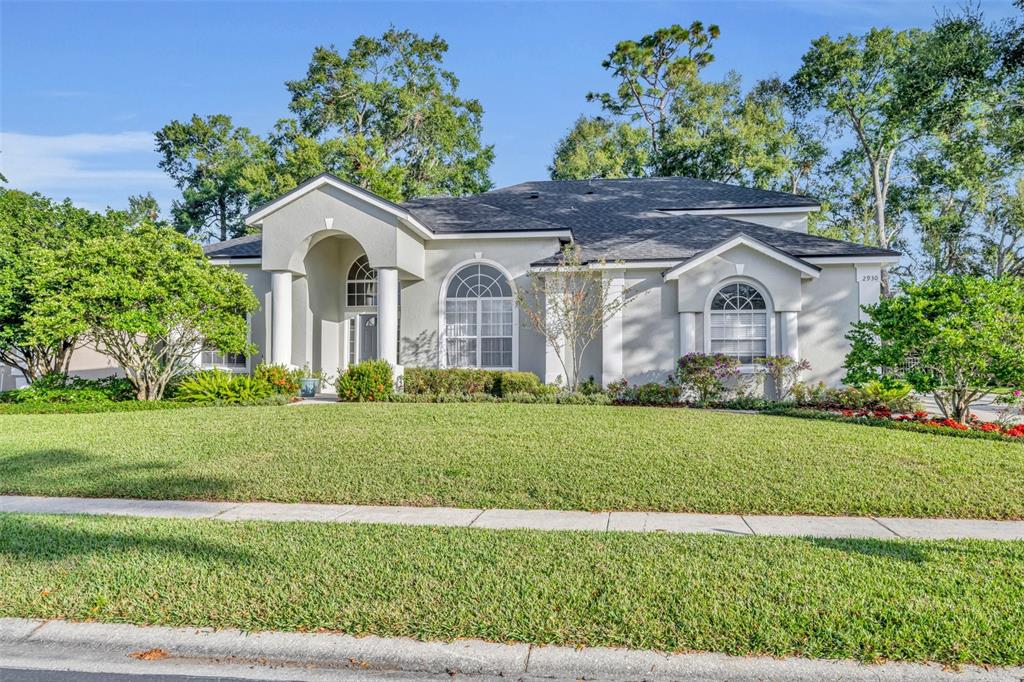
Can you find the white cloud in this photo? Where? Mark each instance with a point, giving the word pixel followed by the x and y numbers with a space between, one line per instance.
pixel 93 169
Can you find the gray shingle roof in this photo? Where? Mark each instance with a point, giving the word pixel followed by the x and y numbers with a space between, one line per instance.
pixel 249 246
pixel 614 219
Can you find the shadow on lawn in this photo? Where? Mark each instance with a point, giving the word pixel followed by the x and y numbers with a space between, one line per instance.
pixel 920 551
pixel 59 471
pixel 52 538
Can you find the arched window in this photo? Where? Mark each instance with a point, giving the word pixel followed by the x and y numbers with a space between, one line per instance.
pixel 362 284
pixel 739 323
pixel 479 318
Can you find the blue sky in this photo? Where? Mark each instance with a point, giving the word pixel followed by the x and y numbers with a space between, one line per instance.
pixel 84 85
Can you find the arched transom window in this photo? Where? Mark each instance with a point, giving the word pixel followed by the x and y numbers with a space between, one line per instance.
pixel 478 318
pixel 362 284
pixel 739 323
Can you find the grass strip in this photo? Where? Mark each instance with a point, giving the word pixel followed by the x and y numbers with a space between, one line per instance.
pixel 954 602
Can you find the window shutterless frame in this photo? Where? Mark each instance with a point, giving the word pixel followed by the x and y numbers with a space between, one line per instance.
pixel 478 318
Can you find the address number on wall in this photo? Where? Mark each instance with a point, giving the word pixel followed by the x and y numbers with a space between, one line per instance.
pixel 870 278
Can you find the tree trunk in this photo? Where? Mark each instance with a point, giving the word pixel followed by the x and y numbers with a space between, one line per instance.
pixel 880 190
pixel 222 206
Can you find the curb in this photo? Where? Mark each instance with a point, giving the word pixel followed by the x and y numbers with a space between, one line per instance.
pixel 88 647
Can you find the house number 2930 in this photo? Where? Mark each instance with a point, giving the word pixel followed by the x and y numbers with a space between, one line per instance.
pixel 869 278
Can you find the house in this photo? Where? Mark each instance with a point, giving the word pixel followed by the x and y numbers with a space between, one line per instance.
pixel 344 275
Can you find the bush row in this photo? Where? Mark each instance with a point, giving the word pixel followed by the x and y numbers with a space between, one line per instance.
pixel 496 383
pixel 556 398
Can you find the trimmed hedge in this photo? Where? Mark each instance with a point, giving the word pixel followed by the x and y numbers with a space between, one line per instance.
pixel 545 398
pixel 497 383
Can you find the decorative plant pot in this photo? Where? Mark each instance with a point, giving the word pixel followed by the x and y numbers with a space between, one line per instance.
pixel 308 387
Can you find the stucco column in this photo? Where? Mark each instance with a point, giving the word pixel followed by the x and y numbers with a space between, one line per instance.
pixel 687 333
pixel 281 318
pixel 790 333
pixel 387 314
pixel 611 335
pixel 552 366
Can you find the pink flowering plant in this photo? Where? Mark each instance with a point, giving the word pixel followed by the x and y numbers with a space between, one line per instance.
pixel 703 378
pixel 1011 408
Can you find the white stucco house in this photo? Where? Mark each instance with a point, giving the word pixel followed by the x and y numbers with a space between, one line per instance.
pixel 343 275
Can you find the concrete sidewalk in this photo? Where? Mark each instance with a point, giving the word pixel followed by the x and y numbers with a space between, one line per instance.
pixel 536 519
pixel 96 647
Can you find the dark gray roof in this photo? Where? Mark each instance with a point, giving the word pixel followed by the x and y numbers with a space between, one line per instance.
pixel 614 219
pixel 249 246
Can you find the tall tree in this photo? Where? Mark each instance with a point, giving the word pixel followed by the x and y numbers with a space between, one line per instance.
pixel 1002 239
pixel 680 124
pixel 390 119
pixel 855 79
pixel 600 148
pixel 653 72
pixel 208 158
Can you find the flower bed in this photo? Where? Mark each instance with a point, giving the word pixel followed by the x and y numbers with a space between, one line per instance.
pixel 919 421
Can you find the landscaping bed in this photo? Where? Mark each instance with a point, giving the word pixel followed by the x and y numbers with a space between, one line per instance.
pixel 955 602
pixel 515 456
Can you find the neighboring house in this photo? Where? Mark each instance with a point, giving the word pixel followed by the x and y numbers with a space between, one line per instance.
pixel 343 275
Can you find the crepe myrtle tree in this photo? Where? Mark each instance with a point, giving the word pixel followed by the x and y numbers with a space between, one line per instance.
pixel 568 304
pixel 955 337
pixel 151 301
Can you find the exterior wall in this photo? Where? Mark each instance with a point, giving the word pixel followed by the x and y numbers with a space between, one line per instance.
pixel 421 300
pixel 831 304
pixel 289 232
pixel 796 222
pixel 650 328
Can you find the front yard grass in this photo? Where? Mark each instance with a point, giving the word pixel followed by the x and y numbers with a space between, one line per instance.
pixel 512 455
pixel 955 602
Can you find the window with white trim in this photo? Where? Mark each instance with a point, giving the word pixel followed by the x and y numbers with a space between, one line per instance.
pixel 478 317
pixel 739 323
pixel 214 359
pixel 362 284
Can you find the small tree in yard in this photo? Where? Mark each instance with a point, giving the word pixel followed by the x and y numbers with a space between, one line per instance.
pixel 784 373
pixel 569 305
pixel 955 337
pixel 152 302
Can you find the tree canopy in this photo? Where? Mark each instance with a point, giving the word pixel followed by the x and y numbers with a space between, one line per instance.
pixel 31 226
pixel 149 299
pixel 385 115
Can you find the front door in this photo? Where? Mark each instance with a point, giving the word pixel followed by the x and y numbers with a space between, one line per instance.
pixel 366 324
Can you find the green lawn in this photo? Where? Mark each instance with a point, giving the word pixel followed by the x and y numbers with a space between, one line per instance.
pixel 866 599
pixel 511 455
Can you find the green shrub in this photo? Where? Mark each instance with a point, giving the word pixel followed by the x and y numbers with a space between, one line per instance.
pixel 895 396
pixel 367 381
pixel 643 394
pixel 280 378
pixel 57 388
pixel 459 381
pixel 223 388
pixel 518 382
pixel 438 381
